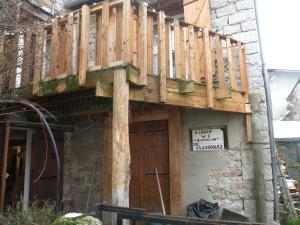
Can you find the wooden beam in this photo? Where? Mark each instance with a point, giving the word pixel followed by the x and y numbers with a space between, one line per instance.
pixel 26 59
pixel 175 159
pixel 178 62
pixel 4 165
pixel 167 47
pixel 75 44
pixel 120 140
pixel 69 45
pixel 54 67
pixel 220 61
pixel 38 59
pixel 192 53
pixel 126 29
pixel 249 127
pixel 162 70
pixel 105 34
pixel 143 55
pixel 243 67
pixel 183 52
pixel 208 69
pixel 112 36
pixel 150 33
pixel 231 64
pixel 84 44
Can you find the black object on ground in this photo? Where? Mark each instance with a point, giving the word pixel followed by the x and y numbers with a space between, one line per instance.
pixel 202 209
pixel 233 216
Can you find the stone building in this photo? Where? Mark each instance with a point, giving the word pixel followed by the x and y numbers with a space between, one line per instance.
pixel 162 125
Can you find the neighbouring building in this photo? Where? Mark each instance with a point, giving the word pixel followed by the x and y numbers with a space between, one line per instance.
pixel 135 90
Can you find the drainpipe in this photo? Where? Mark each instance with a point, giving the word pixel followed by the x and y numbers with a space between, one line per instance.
pixel 270 120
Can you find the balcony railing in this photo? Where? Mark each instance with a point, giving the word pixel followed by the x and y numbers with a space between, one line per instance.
pixel 118 32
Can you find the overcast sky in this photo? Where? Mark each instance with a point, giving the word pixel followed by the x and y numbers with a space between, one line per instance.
pixel 280 30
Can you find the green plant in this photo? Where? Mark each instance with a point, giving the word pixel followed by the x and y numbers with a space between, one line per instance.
pixel 291 221
pixel 39 213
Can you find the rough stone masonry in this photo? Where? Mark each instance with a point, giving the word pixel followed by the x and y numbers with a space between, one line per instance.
pixel 237 18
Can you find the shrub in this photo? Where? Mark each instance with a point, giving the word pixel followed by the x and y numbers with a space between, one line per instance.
pixel 39 213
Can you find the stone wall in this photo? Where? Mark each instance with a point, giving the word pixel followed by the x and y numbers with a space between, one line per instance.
pixel 83 165
pixel 236 18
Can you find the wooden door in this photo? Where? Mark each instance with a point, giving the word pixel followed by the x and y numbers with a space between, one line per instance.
pixel 149 148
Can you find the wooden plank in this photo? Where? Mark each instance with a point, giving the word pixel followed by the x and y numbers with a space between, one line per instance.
pixel 243 67
pixel 249 127
pixel 126 29
pixel 38 59
pixel 150 32
pixel 187 53
pixel 135 43
pixel 143 55
pixel 192 54
pixel 54 49
pixel 26 59
pixel 175 159
pixel 167 41
pixel 201 57
pixel 105 34
pixel 75 45
pixel 177 49
pixel 197 13
pixel 69 45
pixel 119 35
pixel 4 165
pixel 162 70
pixel 231 64
pixel 84 44
pixel 208 69
pixel 14 51
pixel 98 39
pixel 183 53
pixel 112 36
pixel 2 64
pixel 120 140
pixel 220 61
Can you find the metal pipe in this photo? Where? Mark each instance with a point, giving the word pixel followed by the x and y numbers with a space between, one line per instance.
pixel 27 170
pixel 270 121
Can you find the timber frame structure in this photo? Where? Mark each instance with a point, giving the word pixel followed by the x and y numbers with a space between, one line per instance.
pixel 196 68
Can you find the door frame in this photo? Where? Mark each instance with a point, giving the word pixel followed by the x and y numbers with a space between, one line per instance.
pixel 173 116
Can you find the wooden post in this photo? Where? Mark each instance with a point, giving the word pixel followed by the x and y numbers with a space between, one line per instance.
pixel 38 59
pixel 4 165
pixel 143 43
pixel 120 140
pixel 162 69
pixel 104 35
pixel 192 54
pixel 112 36
pixel 177 36
pixel 54 49
pixel 208 69
pixel 150 33
pixel 84 44
pixel 220 61
pixel 69 45
pixel 126 29
pixel 26 60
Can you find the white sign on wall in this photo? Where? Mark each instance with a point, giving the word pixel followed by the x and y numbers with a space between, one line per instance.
pixel 207 139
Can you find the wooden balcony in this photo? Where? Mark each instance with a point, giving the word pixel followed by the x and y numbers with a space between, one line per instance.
pixel 167 61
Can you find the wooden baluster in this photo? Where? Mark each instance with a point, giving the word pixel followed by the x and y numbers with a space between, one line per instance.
pixel 201 57
pixel 14 51
pixel 162 70
pixel 143 57
pixel 192 54
pixel 168 49
pixel 178 62
pixel 75 43
pixel 119 34
pixel 26 59
pixel 197 58
pixel 69 45
pixel 208 68
pixel 2 57
pixel 38 59
pixel 54 49
pixel 243 67
pixel 220 61
pixel 98 39
pixel 183 53
pixel 150 32
pixel 231 64
pixel 104 36
pixel 126 32
pixel 187 54
pixel 112 36
pixel 135 43
pixel 84 44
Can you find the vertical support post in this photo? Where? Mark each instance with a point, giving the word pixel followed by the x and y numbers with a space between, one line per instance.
pixel 143 43
pixel 162 70
pixel 27 174
pixel 177 49
pixel 38 59
pixel 98 39
pixel 54 49
pixel 4 165
pixel 69 45
pixel 26 60
pixel 192 53
pixel 126 32
pixel 120 140
pixel 104 36
pixel 150 40
pixel 220 61
pixel 175 159
pixel 84 44
pixel 208 69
